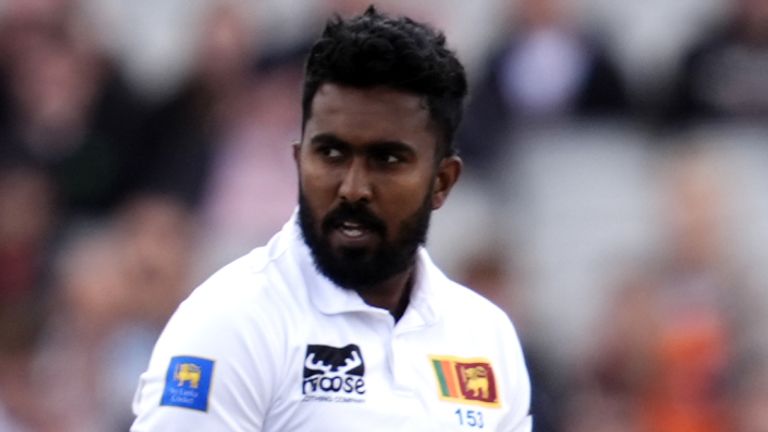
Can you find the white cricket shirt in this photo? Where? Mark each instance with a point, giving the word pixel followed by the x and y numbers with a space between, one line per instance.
pixel 269 344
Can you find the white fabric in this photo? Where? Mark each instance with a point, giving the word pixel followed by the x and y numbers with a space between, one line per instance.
pixel 256 317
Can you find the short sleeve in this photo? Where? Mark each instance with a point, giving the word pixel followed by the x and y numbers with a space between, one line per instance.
pixel 212 369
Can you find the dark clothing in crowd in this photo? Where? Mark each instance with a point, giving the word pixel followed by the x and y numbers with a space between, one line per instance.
pixel 724 77
pixel 513 90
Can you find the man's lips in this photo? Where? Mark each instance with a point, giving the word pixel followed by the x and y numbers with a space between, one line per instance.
pixel 354 234
pixel 353 229
pixel 351 223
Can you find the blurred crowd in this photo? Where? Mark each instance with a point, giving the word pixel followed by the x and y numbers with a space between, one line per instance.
pixel 617 211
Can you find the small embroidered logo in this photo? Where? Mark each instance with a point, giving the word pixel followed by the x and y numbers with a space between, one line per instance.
pixel 465 380
pixel 188 383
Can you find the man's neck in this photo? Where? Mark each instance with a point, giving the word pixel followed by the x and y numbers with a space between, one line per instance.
pixel 392 294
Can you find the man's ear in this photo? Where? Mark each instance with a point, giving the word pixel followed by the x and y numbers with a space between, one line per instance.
pixel 448 173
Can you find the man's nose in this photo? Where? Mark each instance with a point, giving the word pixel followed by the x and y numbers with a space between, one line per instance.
pixel 356 185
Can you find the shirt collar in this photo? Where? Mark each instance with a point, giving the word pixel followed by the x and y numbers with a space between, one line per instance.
pixel 332 299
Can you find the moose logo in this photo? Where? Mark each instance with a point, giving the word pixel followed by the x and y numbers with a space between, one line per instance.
pixel 330 370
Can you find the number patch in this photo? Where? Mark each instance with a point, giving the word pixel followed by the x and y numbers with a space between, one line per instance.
pixel 469 417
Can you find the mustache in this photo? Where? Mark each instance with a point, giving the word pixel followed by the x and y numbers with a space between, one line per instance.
pixel 358 213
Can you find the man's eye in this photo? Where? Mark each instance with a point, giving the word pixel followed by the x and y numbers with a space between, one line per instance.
pixel 331 152
pixel 387 158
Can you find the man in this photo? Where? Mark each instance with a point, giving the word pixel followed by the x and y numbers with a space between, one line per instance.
pixel 341 322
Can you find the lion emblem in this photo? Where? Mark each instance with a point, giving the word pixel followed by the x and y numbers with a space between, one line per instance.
pixel 476 381
pixel 187 373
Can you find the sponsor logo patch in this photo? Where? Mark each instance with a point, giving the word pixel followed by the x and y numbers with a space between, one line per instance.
pixel 333 374
pixel 188 383
pixel 465 380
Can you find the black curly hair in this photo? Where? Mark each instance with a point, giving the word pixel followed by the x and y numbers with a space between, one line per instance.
pixel 374 49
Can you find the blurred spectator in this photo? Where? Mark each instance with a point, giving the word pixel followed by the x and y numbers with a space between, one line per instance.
pixel 222 144
pixel 670 336
pixel 252 188
pixel 546 68
pixel 724 76
pixel 155 235
pixel 68 112
pixel 87 301
pixel 114 287
pixel 183 132
pixel 26 220
pixel 20 333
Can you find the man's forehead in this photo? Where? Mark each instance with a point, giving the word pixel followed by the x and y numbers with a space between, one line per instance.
pixel 377 112
pixel 330 95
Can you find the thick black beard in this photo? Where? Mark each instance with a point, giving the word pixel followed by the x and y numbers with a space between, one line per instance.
pixel 358 269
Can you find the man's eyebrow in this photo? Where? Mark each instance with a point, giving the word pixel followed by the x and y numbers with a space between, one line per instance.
pixel 382 145
pixel 392 146
pixel 328 139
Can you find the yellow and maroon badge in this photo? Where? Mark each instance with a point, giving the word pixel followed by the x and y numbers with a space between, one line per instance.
pixel 466 380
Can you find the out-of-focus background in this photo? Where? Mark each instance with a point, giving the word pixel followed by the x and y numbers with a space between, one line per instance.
pixel 614 202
